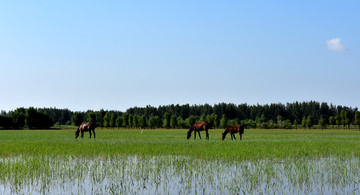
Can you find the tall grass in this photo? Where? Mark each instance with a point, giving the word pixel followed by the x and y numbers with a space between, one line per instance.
pixel 256 144
pixel 164 161
pixel 177 175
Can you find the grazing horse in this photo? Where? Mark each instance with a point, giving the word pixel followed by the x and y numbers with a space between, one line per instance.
pixel 85 127
pixel 233 129
pixel 197 127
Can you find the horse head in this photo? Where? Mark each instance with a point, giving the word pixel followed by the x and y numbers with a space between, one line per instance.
pixel 189 133
pixel 77 132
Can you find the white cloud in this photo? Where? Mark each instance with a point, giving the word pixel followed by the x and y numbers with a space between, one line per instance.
pixel 335 44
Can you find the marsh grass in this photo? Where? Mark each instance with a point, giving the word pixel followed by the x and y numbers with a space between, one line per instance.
pixel 256 144
pixel 164 161
pixel 177 175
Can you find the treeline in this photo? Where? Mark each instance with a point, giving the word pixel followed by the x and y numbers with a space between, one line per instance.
pixel 30 118
pixel 290 115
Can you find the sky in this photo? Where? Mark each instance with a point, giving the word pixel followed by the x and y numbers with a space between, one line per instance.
pixel 114 55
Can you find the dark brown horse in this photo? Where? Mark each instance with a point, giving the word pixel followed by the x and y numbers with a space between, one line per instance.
pixel 233 129
pixel 85 127
pixel 197 127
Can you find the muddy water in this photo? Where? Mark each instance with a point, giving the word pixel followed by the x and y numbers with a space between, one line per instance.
pixel 177 175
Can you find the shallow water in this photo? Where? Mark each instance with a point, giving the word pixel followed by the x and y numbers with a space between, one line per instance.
pixel 177 175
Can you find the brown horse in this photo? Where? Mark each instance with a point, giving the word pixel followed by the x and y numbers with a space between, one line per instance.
pixel 233 129
pixel 197 127
pixel 85 127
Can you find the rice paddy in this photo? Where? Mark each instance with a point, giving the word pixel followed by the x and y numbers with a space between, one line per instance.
pixel 165 162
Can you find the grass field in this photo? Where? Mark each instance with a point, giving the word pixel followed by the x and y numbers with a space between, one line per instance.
pixel 256 144
pixel 159 161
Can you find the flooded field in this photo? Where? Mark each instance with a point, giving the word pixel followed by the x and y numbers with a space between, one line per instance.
pixel 177 175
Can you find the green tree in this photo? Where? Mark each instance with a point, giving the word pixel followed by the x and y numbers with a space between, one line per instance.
pixel 233 122
pixel 270 124
pixel 190 121
pixel 309 122
pixel 18 117
pixel 210 118
pixel 166 123
pixel 223 121
pixel 286 124
pixel 106 120
pixel 91 117
pixel 131 121
pixel 158 121
pixel 136 121
pixel 181 122
pixel 151 123
pixel 332 121
pixel 264 125
pixel 119 121
pixel 76 119
pixel 142 121
pixel 250 124
pixel 202 118
pixel 37 120
pixel 322 124
pixel 30 118
pixel 173 121
pixel 125 120
pixel 296 124
pixel 338 121
pixel 216 121
pixel 357 119
pixel 6 122
pixel 344 118
pixel 261 120
pixel 154 122
pixel 304 122
pixel 347 121
pixel 112 120
pixel 279 121
pixel 100 117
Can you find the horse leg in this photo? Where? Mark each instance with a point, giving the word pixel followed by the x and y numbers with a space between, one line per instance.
pixel 231 136
pixel 240 136
pixel 82 134
pixel 94 133
pixel 234 136
pixel 90 133
pixel 207 134
pixel 199 134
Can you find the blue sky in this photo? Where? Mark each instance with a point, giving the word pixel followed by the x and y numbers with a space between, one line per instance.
pixel 114 55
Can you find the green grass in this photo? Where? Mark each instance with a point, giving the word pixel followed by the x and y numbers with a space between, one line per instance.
pixel 256 144
pixel 165 162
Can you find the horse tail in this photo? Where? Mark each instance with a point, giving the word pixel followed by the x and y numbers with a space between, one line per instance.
pixel 241 129
pixel 189 133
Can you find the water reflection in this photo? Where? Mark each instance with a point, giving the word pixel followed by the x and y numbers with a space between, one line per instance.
pixel 177 175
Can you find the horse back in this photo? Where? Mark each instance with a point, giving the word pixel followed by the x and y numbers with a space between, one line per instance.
pixel 201 126
pixel 87 126
pixel 197 126
pixel 235 129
